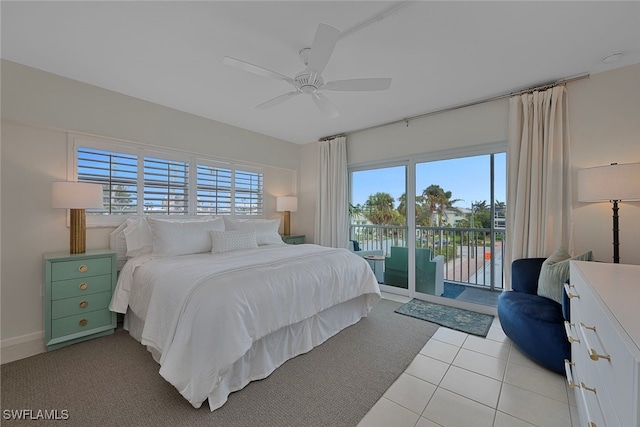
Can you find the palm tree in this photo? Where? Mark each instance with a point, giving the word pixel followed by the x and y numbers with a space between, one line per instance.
pixel 379 208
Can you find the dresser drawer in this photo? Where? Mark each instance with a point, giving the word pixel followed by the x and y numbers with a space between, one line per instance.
pixel 77 305
pixel 80 323
pixel 606 356
pixel 80 268
pixel 81 286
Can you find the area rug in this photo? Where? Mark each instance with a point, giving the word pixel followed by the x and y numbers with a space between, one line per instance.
pixel 453 290
pixel 449 317
pixel 114 381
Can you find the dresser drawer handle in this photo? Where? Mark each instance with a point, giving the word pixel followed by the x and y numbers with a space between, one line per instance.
pixel 567 329
pixel 593 354
pixel 83 304
pixel 83 286
pixel 569 294
pixel 83 268
pixel 83 322
pixel 569 374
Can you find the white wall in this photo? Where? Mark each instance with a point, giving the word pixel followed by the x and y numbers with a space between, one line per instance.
pixel 38 109
pixel 604 112
pixel 477 125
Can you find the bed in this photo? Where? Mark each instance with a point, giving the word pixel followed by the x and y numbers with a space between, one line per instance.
pixel 220 303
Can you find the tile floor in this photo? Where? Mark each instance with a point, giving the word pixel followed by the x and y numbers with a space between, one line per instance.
pixel 462 380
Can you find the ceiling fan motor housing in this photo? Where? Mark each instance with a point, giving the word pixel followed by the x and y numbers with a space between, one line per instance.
pixel 308 82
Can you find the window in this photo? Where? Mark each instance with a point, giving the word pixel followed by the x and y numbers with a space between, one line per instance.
pixel 118 174
pixel 140 180
pixel 214 190
pixel 248 195
pixel 166 186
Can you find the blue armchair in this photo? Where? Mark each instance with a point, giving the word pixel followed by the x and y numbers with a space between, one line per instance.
pixel 535 324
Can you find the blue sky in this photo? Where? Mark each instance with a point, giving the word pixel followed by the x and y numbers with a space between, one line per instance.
pixel 467 178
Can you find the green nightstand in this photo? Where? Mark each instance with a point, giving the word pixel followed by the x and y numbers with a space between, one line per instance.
pixel 297 239
pixel 78 291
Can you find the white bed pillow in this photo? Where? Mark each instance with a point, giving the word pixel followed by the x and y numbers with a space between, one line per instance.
pixel 233 240
pixel 171 238
pixel 138 233
pixel 138 237
pixel 266 229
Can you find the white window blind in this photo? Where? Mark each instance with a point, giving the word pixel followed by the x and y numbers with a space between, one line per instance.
pixel 118 175
pixel 214 190
pixel 166 186
pixel 248 193
pixel 140 180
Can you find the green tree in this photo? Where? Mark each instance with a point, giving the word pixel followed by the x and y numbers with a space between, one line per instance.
pixel 379 209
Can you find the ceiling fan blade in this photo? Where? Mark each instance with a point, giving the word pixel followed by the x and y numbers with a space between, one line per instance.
pixel 245 66
pixel 322 47
pixel 277 100
pixel 325 105
pixel 358 84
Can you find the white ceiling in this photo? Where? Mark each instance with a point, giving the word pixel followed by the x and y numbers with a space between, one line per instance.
pixel 439 54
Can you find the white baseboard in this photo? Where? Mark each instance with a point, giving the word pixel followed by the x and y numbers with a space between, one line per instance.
pixel 21 347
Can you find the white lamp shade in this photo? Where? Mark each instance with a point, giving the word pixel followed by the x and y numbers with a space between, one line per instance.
pixel 76 195
pixel 287 203
pixel 611 182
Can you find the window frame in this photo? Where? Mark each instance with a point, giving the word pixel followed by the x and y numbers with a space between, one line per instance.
pixel 143 151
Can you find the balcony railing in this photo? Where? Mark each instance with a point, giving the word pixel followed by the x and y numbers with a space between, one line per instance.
pixel 472 256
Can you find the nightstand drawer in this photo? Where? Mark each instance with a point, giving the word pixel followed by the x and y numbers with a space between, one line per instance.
pixel 81 286
pixel 83 304
pixel 80 268
pixel 80 323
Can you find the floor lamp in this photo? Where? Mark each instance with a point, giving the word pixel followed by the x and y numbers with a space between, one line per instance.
pixel 612 183
pixel 287 205
pixel 76 196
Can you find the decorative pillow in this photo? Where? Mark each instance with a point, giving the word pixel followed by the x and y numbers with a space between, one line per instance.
pixel 555 272
pixel 172 238
pixel 226 241
pixel 266 229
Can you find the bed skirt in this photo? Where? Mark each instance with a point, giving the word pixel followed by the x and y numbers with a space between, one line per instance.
pixel 271 351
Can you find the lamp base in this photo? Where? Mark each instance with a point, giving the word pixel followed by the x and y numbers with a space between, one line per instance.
pixel 78 231
pixel 287 223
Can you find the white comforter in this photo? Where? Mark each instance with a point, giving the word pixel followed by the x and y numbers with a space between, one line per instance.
pixel 203 312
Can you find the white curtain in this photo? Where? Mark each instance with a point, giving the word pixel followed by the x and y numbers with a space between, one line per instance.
pixel 332 219
pixel 539 213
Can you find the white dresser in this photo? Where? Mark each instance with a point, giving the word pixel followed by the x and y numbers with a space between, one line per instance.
pixel 605 336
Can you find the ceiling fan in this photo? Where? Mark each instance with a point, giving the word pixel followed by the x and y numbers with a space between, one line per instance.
pixel 309 80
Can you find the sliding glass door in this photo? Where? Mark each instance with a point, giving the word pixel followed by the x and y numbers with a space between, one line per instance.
pixel 432 227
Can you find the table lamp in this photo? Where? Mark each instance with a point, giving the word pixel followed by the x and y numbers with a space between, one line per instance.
pixel 77 196
pixel 611 183
pixel 287 204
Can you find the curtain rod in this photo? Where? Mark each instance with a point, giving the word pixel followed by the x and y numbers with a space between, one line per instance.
pixel 457 107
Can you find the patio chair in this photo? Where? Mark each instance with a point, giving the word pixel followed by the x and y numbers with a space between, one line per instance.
pixel 429 270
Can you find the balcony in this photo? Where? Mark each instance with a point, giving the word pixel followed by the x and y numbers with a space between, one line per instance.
pixel 473 257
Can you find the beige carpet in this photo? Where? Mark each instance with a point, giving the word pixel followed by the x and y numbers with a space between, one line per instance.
pixel 113 381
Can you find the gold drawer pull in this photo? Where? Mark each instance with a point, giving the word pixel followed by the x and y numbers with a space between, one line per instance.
pixel 83 322
pixel 567 329
pixel 584 387
pixel 567 371
pixel 83 286
pixel 83 304
pixel 83 268
pixel 593 354
pixel 569 294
